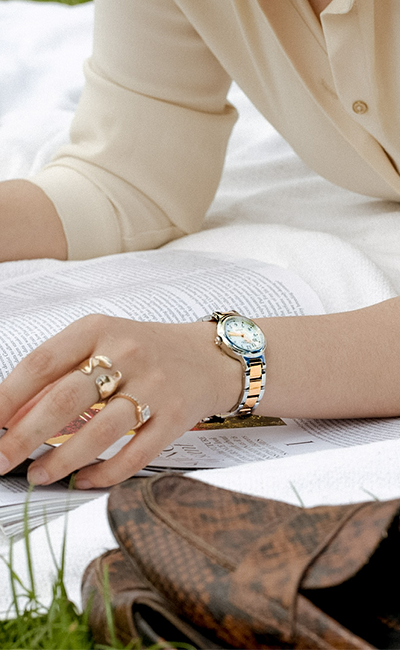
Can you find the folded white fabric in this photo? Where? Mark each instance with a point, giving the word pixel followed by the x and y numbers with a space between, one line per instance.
pixel 330 477
pixel 42 47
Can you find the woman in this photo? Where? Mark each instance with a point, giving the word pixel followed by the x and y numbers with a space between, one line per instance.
pixel 146 153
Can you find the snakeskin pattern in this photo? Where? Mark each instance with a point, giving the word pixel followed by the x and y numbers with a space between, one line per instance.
pixel 243 570
pixel 128 594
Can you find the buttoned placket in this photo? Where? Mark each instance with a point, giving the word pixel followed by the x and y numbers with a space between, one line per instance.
pixel 350 60
pixel 347 100
pixel 350 37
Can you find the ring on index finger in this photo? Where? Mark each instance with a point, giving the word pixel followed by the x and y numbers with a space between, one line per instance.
pixel 90 364
pixel 142 410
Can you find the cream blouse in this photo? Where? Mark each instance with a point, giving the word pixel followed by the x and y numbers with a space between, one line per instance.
pixel 149 136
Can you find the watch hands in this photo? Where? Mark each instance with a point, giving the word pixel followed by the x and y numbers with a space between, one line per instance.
pixel 233 334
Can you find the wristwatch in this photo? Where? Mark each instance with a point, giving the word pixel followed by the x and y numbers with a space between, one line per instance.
pixel 240 338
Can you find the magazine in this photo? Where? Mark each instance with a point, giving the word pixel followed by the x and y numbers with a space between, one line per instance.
pixel 164 286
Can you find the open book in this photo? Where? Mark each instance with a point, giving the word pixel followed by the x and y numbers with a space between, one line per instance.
pixel 166 286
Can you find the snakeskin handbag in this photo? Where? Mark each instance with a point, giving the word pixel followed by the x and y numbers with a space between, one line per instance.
pixel 218 569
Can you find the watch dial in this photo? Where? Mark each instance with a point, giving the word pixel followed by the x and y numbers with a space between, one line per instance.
pixel 244 335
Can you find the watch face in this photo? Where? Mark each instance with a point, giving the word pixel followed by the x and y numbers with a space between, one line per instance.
pixel 244 335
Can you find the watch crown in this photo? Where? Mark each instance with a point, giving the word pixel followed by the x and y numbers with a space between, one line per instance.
pixel 218 340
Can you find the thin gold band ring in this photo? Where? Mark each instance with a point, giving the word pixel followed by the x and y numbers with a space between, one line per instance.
pixel 142 410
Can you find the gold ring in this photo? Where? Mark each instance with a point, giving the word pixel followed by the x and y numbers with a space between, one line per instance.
pixel 90 364
pixel 142 410
pixel 108 384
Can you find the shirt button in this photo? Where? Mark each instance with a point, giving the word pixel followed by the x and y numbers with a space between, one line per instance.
pixel 360 107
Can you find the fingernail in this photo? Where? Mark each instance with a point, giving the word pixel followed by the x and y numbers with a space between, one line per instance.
pixel 4 464
pixel 37 475
pixel 83 484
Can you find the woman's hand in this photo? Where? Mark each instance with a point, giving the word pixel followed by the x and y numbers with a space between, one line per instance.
pixel 331 366
pixel 176 369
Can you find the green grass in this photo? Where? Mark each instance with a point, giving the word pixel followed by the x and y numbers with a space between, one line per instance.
pixel 57 627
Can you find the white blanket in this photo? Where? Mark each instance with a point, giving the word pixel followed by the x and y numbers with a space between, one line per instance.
pixel 269 206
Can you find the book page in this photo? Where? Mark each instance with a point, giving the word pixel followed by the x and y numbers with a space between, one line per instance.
pixel 347 433
pixel 14 489
pixel 244 440
pixel 234 443
pixel 164 286
pixel 211 448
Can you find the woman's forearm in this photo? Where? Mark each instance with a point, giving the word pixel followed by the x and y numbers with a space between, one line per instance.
pixel 334 366
pixel 30 226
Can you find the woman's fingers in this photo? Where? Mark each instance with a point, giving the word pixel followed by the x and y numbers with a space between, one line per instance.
pixel 29 405
pixel 66 399
pixel 49 362
pixel 150 441
pixel 114 421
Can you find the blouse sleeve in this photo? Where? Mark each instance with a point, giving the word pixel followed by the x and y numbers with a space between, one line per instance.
pixel 149 136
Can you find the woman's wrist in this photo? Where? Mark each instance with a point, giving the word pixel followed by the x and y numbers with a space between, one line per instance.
pixel 224 375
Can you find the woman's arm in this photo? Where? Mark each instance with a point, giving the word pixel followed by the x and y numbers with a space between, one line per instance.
pixel 146 149
pixel 342 365
pixel 29 224
pixel 337 365
pixel 148 138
